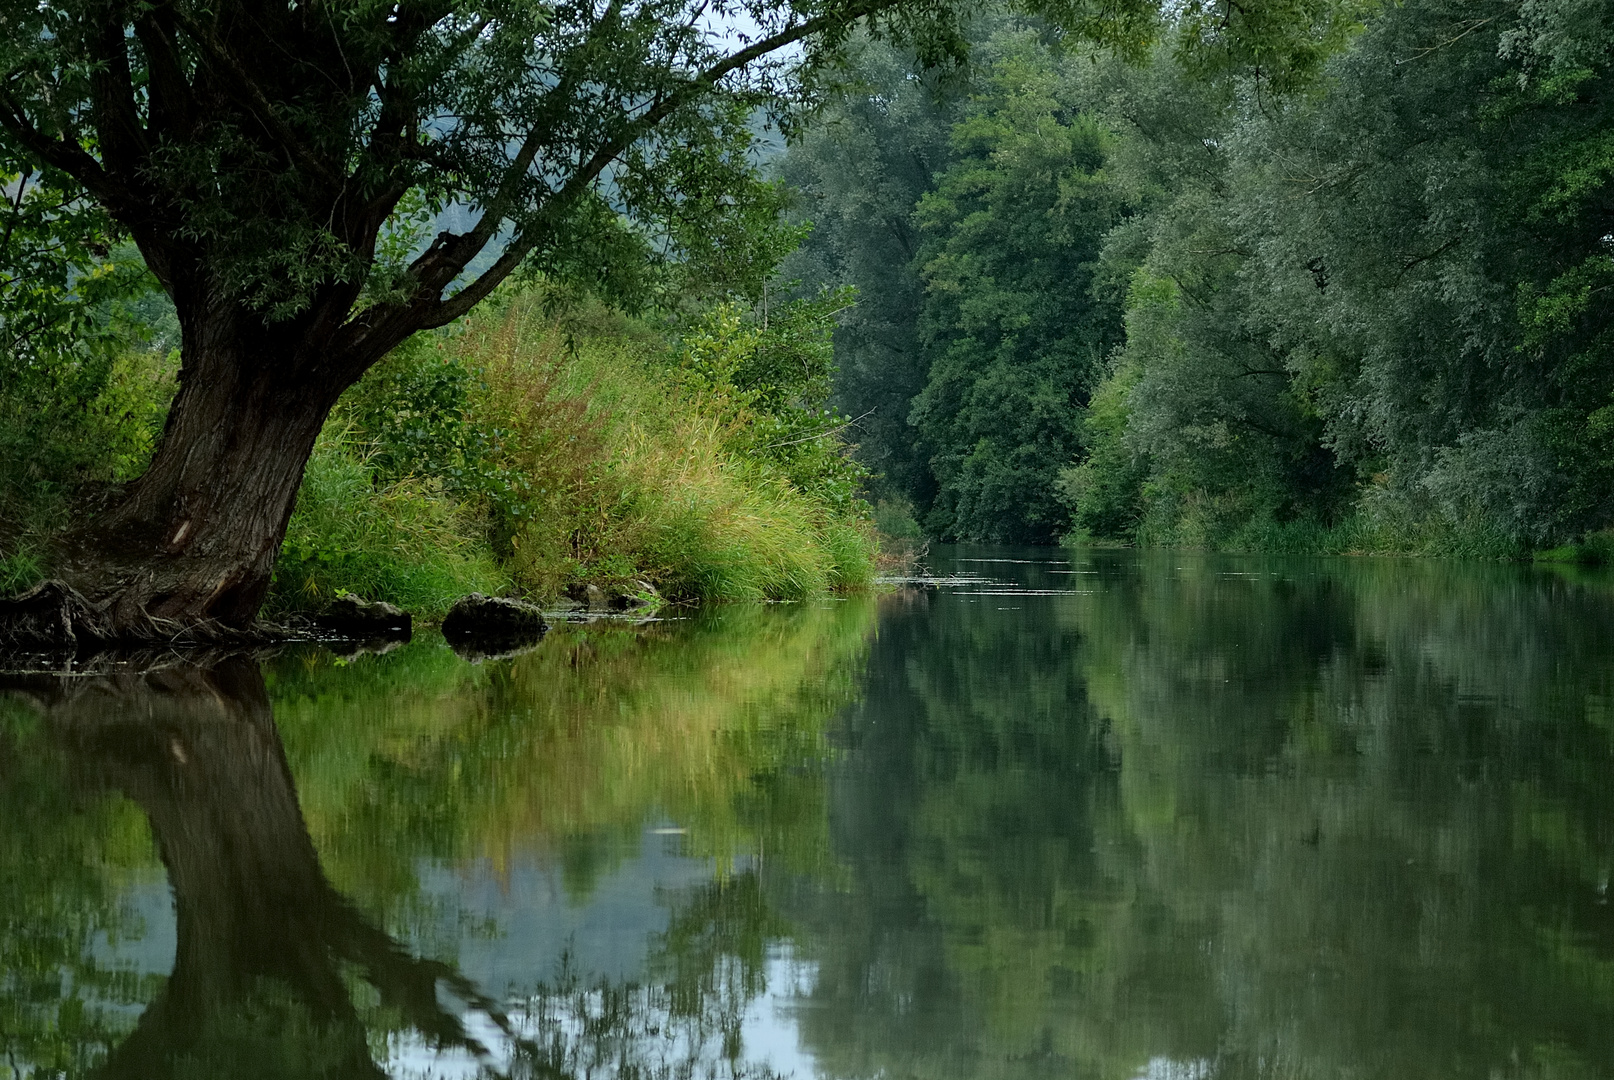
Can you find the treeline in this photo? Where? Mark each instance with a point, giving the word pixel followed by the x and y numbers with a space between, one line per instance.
pixel 1358 308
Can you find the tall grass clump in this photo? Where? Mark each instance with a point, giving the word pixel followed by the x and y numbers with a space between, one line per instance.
pixel 685 466
pixel 544 447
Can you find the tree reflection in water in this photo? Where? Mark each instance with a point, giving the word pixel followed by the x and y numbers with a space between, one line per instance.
pixel 405 759
pixel 266 948
pixel 277 974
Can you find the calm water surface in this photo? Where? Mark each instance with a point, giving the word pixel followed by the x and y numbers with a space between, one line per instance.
pixel 1049 815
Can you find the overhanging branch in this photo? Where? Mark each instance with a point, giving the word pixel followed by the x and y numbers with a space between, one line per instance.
pixel 62 154
pixel 451 253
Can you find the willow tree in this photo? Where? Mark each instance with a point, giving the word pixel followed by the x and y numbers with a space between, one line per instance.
pixel 263 156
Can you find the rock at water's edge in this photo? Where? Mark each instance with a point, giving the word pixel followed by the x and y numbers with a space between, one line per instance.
pixel 493 620
pixel 365 620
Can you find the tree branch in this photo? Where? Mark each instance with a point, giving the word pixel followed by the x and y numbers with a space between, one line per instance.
pixel 440 264
pixel 475 292
pixel 237 77
pixel 173 105
pixel 119 134
pixel 1410 264
pixel 16 209
pixel 62 154
pixel 705 81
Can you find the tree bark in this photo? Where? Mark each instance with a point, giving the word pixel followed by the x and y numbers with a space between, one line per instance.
pixel 189 548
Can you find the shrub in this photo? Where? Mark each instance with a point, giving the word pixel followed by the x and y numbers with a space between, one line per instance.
pixel 78 422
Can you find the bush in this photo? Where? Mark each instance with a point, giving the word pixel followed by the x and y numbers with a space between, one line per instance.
pixel 66 427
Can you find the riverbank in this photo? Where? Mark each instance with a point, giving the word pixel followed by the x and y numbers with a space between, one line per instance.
pixel 1360 533
pixel 541 448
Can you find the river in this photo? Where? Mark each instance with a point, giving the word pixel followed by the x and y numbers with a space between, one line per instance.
pixel 1044 814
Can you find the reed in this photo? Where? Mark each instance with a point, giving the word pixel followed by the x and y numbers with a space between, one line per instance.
pixel 632 475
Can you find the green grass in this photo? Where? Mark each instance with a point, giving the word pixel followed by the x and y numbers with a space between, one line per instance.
pixel 404 542
pixel 634 476
pixel 20 571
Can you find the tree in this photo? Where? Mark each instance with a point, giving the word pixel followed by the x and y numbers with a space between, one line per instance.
pixel 859 171
pixel 1367 316
pixel 1015 329
pixel 1198 404
pixel 268 161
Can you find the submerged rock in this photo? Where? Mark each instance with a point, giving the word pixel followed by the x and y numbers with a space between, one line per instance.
pixel 358 619
pixel 490 625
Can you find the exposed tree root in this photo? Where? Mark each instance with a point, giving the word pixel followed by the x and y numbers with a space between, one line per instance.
pixel 56 619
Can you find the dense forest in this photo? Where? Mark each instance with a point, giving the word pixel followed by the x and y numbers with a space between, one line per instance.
pixel 1355 305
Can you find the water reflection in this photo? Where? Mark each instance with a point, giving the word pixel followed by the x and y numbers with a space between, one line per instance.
pixel 420 777
pixel 1098 815
pixel 262 937
pixel 1228 817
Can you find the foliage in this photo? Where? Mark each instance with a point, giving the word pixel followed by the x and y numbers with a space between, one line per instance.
pixel 401 540
pixel 243 184
pixel 768 377
pixel 579 446
pixel 85 369
pixel 281 157
pixel 56 268
pixel 1015 333
pixel 969 217
pixel 278 169
pixel 1397 353
pixel 858 172
pixel 679 466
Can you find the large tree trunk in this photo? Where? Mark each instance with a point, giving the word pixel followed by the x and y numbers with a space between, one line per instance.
pixel 189 547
